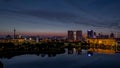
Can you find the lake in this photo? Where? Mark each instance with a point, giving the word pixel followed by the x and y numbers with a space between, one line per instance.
pixel 66 58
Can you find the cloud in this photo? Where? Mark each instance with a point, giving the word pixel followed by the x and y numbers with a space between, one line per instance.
pixel 86 12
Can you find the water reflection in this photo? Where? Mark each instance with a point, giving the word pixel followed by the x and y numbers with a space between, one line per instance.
pixel 70 50
pixel 78 51
pixel 56 51
pixel 102 51
pixel 42 53
pixel 68 54
pixel 90 53
pixel 1 64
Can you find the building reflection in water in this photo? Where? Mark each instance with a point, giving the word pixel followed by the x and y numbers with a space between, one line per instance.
pixel 70 50
pixel 102 51
pixel 56 51
pixel 75 51
pixel 91 51
pixel 42 53
pixel 78 51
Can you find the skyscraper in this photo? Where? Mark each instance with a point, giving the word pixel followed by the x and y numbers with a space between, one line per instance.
pixel 70 35
pixel 78 35
pixel 90 34
pixel 75 35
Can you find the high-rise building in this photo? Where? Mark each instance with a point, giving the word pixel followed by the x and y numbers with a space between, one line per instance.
pixel 90 34
pixel 75 35
pixel 112 35
pixel 70 35
pixel 94 35
pixel 78 35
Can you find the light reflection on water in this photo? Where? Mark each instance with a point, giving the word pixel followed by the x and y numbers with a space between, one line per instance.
pixel 70 58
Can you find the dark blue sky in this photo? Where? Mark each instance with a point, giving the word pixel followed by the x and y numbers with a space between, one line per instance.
pixel 59 15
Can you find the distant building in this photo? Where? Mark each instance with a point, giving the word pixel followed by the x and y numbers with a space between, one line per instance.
pixel 8 37
pixel 112 35
pixel 75 35
pixel 94 35
pixel 90 34
pixel 18 37
pixel 102 36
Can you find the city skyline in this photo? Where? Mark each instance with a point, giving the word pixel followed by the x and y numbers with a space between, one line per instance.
pixel 67 34
pixel 46 17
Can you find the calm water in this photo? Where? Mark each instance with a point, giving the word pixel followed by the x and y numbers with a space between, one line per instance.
pixel 70 58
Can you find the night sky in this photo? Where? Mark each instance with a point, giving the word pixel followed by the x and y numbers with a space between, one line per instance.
pixel 59 16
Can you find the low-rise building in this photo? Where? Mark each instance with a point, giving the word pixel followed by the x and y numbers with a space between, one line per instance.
pixel 111 42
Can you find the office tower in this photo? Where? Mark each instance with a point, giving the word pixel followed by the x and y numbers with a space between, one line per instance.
pixel 75 35
pixel 78 35
pixel 90 34
pixel 70 35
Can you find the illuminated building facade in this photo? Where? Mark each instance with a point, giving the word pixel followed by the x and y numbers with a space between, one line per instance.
pixel 109 42
pixel 75 35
